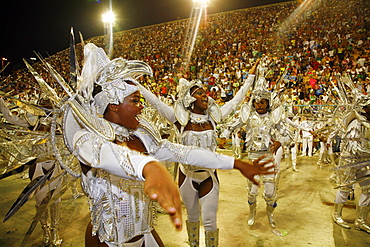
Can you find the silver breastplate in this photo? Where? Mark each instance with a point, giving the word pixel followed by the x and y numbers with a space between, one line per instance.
pixel 204 139
pixel 260 132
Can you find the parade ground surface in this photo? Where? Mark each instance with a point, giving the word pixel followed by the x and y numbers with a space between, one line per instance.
pixel 303 214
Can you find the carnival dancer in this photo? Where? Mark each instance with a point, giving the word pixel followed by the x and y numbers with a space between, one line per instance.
pixel 307 137
pixel 236 144
pixel 287 134
pixel 196 116
pixel 294 145
pixel 41 150
pixel 264 120
pixel 354 159
pixel 119 154
pixel 325 134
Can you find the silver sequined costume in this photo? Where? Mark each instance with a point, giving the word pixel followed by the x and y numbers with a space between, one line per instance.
pixel 38 145
pixel 120 209
pixel 260 130
pixel 208 204
pixel 353 164
pixel 355 149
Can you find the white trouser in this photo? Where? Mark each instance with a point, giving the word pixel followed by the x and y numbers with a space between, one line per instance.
pixel 342 194
pixel 324 148
pixel 342 197
pixel 208 203
pixel 307 143
pixel 293 151
pixel 236 145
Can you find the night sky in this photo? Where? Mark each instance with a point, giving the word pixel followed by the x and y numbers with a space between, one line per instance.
pixel 43 25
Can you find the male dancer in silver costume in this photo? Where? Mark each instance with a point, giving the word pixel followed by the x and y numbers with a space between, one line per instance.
pixel 287 136
pixel 263 124
pixel 354 160
pixel 307 137
pixel 294 145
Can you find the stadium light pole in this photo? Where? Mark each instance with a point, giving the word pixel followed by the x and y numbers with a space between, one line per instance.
pixel 3 59
pixel 108 20
pixel 3 66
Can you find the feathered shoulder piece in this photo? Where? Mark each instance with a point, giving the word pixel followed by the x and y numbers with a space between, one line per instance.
pixel 245 112
pixel 277 114
pixel 214 110
pixel 182 114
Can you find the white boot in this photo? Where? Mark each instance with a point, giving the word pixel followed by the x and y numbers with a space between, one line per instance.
pixel 252 213
pixel 332 160
pixel 294 166
pixel 269 210
pixel 45 228
pixel 360 223
pixel 338 207
pixel 320 161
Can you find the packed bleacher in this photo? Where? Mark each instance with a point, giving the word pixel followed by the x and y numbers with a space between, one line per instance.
pixel 315 41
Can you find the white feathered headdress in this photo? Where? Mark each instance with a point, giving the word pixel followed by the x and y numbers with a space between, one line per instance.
pixel 111 76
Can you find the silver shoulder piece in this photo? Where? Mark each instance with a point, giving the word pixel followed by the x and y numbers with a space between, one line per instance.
pixel 245 112
pixel 77 118
pixel 181 113
pixel 150 129
pixel 214 110
pixel 277 114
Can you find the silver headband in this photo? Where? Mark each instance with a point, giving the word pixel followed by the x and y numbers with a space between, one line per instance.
pixel 113 93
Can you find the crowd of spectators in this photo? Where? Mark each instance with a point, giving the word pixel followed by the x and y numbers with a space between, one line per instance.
pixel 309 42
